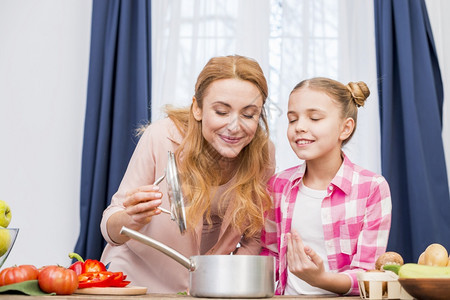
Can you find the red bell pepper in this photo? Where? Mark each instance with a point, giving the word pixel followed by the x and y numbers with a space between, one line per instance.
pixel 93 273
pixel 102 279
pixel 95 279
pixel 90 265
pixel 119 280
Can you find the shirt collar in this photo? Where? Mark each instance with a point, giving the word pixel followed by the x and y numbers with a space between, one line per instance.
pixel 342 180
pixel 344 176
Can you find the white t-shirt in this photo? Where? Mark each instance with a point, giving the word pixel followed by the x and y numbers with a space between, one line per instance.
pixel 307 221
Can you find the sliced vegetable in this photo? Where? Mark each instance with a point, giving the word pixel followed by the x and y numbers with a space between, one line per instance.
pixel 92 265
pixel 82 266
pixel 102 279
pixel 119 280
pixel 93 273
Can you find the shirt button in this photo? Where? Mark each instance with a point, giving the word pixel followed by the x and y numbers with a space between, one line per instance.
pixel 330 188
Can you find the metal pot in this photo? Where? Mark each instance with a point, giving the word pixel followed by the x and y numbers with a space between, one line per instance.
pixel 220 276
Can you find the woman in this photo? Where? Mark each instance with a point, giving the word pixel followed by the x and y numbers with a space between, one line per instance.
pixel 224 157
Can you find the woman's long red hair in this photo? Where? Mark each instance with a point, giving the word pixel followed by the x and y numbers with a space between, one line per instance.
pixel 199 171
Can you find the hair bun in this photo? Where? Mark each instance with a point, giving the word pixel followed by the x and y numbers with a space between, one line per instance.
pixel 359 91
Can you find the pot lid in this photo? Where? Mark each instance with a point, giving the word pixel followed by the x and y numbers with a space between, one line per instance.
pixel 175 193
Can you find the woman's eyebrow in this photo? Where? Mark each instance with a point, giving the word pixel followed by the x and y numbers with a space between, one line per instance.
pixel 221 103
pixel 228 105
pixel 252 106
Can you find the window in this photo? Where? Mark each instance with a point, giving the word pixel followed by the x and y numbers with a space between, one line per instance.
pixel 291 39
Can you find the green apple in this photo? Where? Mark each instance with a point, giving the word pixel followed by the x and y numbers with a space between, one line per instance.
pixel 5 214
pixel 5 240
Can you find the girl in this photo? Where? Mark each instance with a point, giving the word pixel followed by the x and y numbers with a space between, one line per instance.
pixel 331 218
pixel 224 158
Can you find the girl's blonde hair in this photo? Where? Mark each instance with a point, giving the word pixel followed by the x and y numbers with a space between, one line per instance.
pixel 199 170
pixel 349 97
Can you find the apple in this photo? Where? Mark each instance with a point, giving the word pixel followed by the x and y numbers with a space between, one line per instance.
pixel 5 241
pixel 5 214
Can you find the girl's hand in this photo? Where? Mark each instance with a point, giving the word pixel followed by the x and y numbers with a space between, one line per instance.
pixel 303 261
pixel 141 204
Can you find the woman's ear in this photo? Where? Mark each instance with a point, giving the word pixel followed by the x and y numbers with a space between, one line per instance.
pixel 196 110
pixel 347 128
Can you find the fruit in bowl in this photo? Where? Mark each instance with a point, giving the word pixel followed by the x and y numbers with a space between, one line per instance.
pixel 5 214
pixel 7 238
pixel 7 235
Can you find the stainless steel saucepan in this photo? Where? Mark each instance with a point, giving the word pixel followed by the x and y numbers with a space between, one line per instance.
pixel 220 276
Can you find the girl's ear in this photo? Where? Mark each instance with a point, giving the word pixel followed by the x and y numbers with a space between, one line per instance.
pixel 196 110
pixel 347 128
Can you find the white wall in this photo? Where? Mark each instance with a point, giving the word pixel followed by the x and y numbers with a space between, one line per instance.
pixel 44 57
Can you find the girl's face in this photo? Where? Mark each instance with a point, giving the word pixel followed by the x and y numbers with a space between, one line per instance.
pixel 230 115
pixel 316 129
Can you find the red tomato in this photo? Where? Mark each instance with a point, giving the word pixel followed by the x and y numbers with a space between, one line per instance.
pixel 18 274
pixel 57 279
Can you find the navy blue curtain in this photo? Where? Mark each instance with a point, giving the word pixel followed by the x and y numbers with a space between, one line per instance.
pixel 119 89
pixel 411 97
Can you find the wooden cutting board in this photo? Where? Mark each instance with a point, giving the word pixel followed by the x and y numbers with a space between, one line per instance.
pixel 128 290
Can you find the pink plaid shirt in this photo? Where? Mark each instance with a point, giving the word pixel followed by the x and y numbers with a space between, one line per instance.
pixel 356 219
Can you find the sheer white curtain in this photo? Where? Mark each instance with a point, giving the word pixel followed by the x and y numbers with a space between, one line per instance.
pixel 187 33
pixel 357 62
pixel 332 39
pixel 292 40
pixel 440 23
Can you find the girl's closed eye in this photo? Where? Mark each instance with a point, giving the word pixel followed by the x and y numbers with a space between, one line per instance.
pixel 316 117
pixel 292 117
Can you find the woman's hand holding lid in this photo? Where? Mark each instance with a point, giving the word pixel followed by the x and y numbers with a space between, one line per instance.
pixel 141 204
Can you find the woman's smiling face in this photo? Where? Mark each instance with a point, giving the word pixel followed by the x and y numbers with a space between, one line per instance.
pixel 230 115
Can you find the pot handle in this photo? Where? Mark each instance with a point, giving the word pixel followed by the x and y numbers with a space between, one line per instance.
pixel 180 258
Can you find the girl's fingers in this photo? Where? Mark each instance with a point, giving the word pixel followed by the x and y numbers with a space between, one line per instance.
pixel 290 250
pixel 298 242
pixel 315 258
pixel 294 252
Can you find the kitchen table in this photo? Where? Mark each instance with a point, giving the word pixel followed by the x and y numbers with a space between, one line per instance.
pixel 153 297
